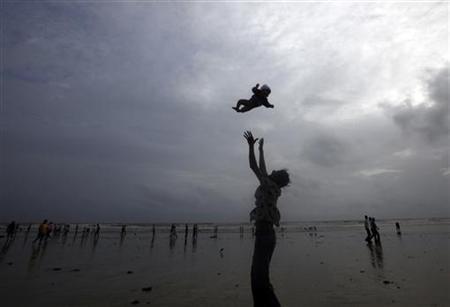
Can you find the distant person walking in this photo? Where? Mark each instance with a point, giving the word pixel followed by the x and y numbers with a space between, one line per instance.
pixel 194 231
pixel 173 231
pixel 216 229
pixel 97 230
pixel 42 232
pixel 265 215
pixel 50 228
pixel 367 227
pixel 10 230
pixel 374 229
pixel 66 229
pixel 397 227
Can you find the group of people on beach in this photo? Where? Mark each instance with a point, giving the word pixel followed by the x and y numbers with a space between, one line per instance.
pixel 47 230
pixel 371 229
pixel 173 230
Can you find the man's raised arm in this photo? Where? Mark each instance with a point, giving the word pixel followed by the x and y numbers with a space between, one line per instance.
pixel 251 154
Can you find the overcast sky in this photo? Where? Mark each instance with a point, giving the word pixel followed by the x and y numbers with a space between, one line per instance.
pixel 120 111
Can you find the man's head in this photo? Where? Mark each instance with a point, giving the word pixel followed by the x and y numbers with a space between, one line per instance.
pixel 280 177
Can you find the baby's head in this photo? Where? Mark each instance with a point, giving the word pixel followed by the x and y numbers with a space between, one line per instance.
pixel 280 177
pixel 266 89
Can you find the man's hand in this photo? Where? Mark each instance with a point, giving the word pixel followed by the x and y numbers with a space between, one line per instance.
pixel 249 137
pixel 261 143
pixel 257 85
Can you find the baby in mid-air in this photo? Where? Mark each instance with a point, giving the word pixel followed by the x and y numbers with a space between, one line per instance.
pixel 258 99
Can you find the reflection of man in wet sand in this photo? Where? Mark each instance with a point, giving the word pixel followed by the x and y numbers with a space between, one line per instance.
pixel 265 215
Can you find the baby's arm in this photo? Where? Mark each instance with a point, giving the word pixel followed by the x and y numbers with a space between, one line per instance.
pixel 256 90
pixel 267 104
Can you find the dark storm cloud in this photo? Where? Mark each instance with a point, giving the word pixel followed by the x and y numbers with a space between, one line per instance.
pixel 123 112
pixel 325 150
pixel 430 121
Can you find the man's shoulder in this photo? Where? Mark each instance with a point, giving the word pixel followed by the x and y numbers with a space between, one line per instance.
pixel 267 181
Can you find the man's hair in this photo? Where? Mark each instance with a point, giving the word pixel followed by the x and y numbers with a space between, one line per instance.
pixel 280 177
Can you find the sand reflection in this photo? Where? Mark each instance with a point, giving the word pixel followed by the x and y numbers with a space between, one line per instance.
pixel 376 254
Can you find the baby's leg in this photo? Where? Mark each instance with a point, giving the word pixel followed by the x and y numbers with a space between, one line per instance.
pixel 241 102
pixel 246 108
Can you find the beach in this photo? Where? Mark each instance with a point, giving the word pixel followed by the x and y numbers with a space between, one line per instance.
pixel 332 266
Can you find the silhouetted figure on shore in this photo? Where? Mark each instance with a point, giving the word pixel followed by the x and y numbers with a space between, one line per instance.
pixel 66 230
pixel 367 227
pixel 265 215
pixel 152 243
pixel 65 233
pixel 258 99
pixel 397 227
pixel 153 230
pixel 374 229
pixel 123 232
pixel 10 230
pixel 186 232
pixel 84 236
pixel 195 231
pixel 216 229
pixel 173 236
pixel 97 230
pixel 75 234
pixel 56 230
pixel 50 228
pixel 42 232
pixel 173 231
pixel 95 238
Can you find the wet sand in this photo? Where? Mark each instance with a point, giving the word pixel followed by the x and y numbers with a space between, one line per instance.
pixel 330 267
